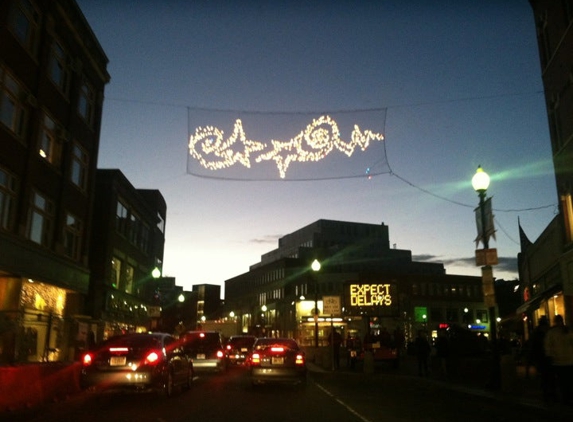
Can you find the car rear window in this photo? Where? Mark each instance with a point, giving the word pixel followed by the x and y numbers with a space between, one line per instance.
pixel 262 344
pixel 135 342
pixel 241 341
pixel 197 339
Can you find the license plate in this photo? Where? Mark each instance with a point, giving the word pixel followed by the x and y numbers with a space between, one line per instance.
pixel 277 360
pixel 117 361
pixel 244 349
pixel 353 353
pixel 200 356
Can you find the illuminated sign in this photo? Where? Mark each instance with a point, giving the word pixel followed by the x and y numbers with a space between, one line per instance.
pixel 370 295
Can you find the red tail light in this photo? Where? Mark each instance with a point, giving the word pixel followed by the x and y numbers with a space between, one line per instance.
pixel 87 360
pixel 277 349
pixel 220 354
pixel 255 359
pixel 152 358
pixel 299 359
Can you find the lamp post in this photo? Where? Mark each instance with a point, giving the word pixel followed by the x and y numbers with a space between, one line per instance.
pixel 315 267
pixel 480 183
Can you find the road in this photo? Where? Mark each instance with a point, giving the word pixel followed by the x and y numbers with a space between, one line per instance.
pixel 333 397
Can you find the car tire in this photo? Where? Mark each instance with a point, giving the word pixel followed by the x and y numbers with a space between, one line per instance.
pixel 168 385
pixel 189 381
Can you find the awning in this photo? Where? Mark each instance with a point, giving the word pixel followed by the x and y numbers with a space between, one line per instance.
pixel 534 303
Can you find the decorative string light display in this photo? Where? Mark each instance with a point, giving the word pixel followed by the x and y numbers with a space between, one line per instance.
pixel 214 151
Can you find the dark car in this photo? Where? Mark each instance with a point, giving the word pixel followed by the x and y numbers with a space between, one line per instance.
pixel 277 360
pixel 139 362
pixel 206 350
pixel 238 349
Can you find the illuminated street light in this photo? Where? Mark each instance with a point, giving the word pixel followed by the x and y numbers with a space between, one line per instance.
pixel 156 273
pixel 484 218
pixel 315 267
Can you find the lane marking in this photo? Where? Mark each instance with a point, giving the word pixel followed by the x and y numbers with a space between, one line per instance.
pixel 347 407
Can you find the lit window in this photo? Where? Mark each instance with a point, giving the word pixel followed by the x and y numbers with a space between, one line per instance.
pixel 115 272
pixel 49 146
pixel 128 279
pixel 12 109
pixel 40 219
pixel 7 199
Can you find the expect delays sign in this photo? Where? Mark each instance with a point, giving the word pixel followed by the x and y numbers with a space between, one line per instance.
pixel 380 297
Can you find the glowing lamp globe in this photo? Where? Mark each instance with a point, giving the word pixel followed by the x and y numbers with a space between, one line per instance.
pixel 480 181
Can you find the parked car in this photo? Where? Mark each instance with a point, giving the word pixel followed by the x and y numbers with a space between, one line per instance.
pixel 239 348
pixel 277 360
pixel 139 362
pixel 206 350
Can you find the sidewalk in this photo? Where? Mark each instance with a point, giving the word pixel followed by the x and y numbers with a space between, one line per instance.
pixel 471 377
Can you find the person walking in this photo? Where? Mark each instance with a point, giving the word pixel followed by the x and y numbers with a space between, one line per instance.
pixel 423 349
pixel 335 341
pixel 540 361
pixel 558 345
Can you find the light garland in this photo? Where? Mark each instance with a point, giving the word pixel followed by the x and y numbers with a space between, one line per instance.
pixel 313 144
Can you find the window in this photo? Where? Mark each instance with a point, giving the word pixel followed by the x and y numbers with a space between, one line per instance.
pixel 49 148
pixel 128 279
pixel 59 67
pixel 24 24
pixel 481 315
pixel 121 221
pixel 144 238
pixel 12 110
pixel 451 315
pixel 79 167
pixel 7 199
pixel 161 223
pixel 72 236
pixel 40 220
pixel 115 277
pixel 133 228
pixel 86 103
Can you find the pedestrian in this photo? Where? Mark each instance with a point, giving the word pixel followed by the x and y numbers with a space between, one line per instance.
pixel 423 349
pixel 540 361
pixel 335 341
pixel 559 349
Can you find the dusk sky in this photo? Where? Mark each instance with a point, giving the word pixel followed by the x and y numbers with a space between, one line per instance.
pixel 450 85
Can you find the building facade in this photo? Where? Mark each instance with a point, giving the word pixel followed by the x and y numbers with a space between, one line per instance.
pixel 127 245
pixel 546 265
pixel 362 287
pixel 52 77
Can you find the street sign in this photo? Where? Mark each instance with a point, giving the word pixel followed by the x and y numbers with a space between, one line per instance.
pixel 486 257
pixel 331 305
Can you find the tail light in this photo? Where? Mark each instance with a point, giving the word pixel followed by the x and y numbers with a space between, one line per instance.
pixel 220 354
pixel 277 349
pixel 152 358
pixel 299 359
pixel 255 359
pixel 87 359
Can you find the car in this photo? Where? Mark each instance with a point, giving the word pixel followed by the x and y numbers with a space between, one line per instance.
pixel 277 360
pixel 206 350
pixel 238 349
pixel 137 362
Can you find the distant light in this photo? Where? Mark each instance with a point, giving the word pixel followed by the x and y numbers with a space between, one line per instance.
pixel 156 273
pixel 315 265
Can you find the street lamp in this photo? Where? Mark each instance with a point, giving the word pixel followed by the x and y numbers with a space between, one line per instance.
pixel 315 267
pixel 480 183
